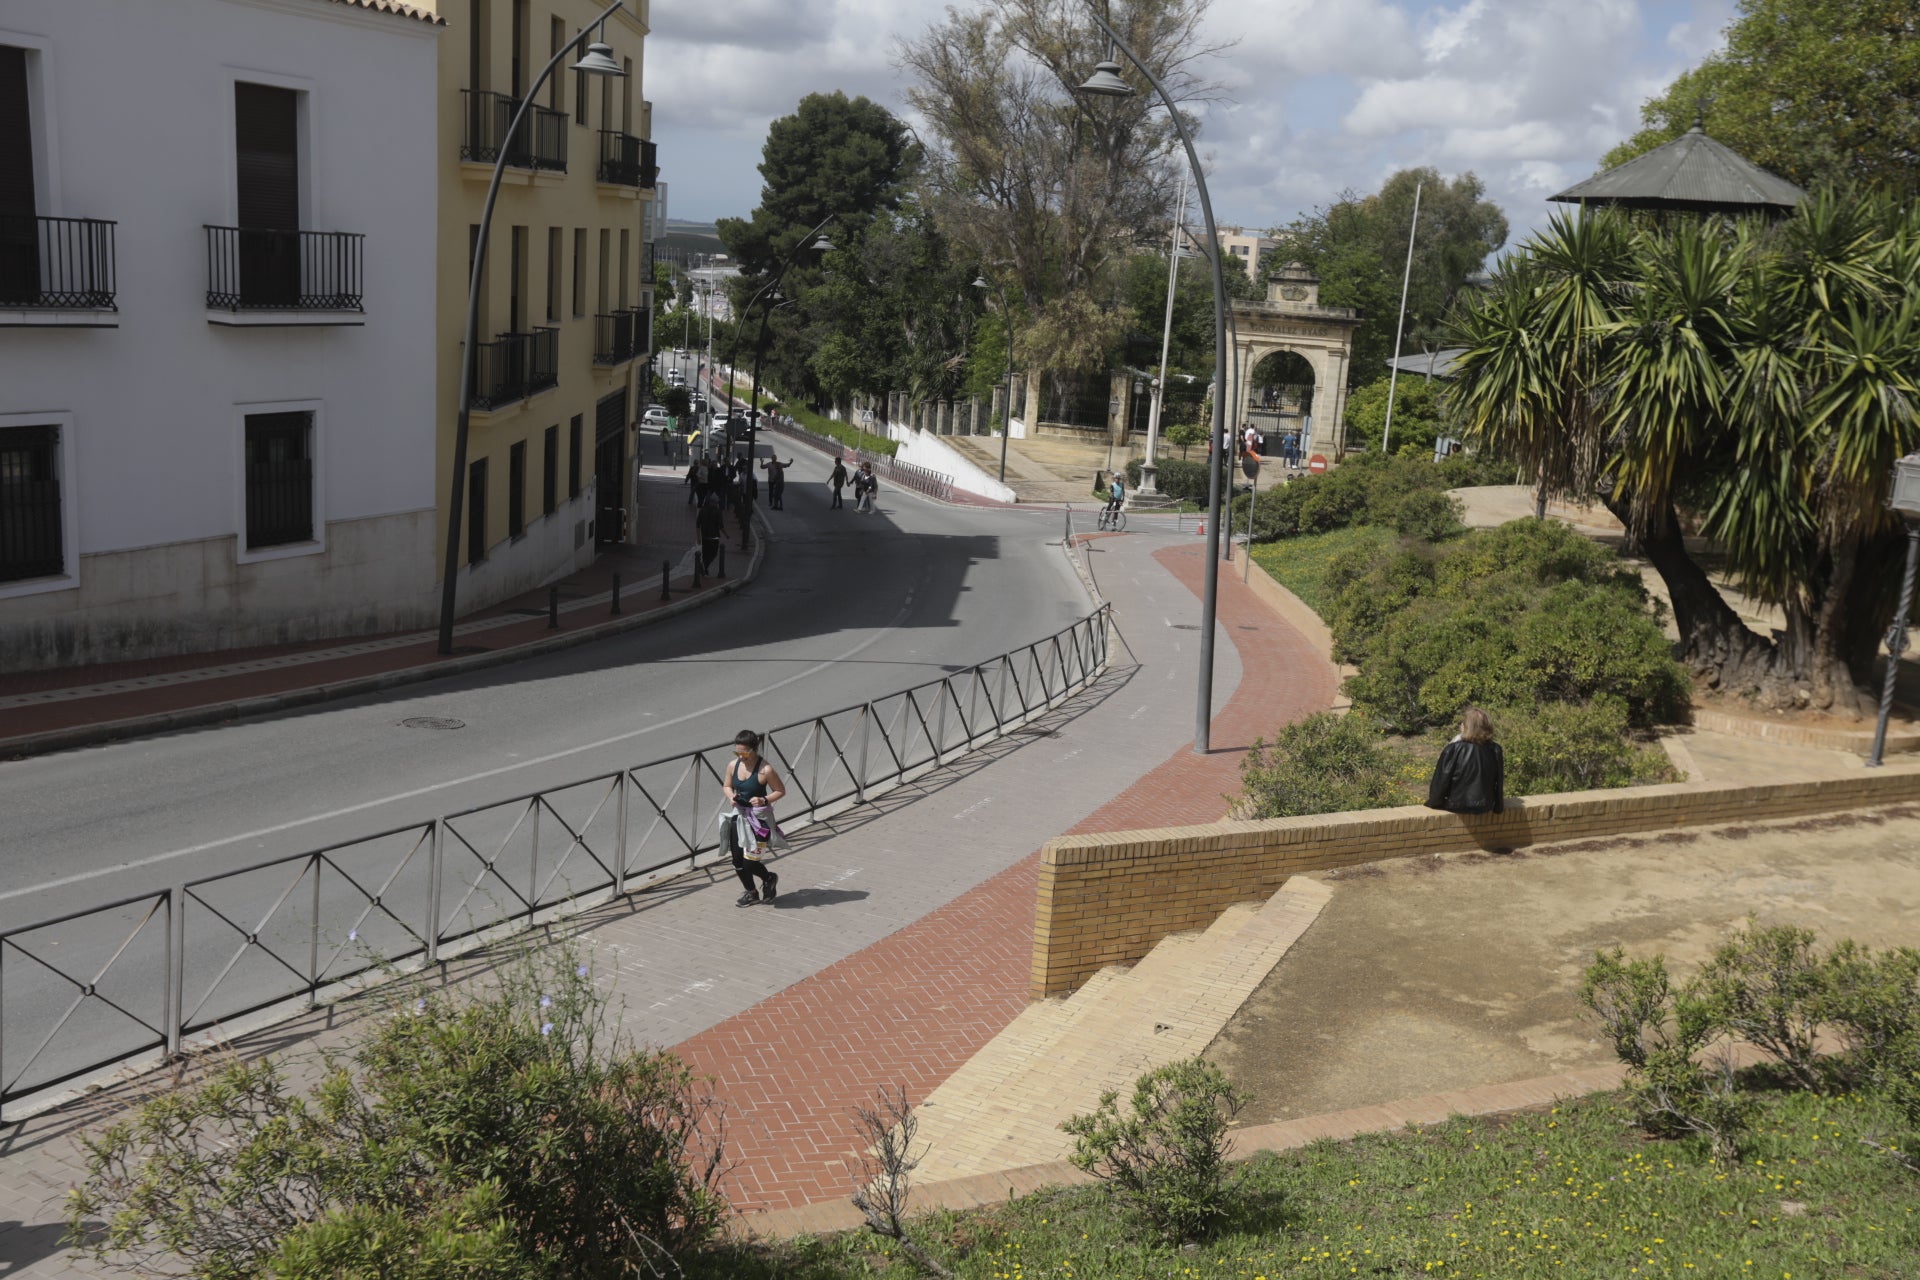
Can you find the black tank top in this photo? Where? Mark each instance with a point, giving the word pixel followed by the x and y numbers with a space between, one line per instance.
pixel 749 787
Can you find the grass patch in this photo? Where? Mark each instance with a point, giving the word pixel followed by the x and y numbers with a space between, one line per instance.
pixel 822 425
pixel 1575 1192
pixel 1300 564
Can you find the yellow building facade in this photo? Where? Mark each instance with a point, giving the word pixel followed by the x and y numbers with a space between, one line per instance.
pixel 560 363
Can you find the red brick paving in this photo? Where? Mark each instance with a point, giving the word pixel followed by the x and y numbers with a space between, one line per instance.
pixel 910 1009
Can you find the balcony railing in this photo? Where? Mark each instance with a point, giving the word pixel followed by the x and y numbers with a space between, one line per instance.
pixel 514 366
pixel 616 337
pixel 628 161
pixel 254 269
pixel 56 262
pixel 541 142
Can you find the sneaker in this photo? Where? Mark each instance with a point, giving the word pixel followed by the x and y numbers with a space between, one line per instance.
pixel 773 885
pixel 747 899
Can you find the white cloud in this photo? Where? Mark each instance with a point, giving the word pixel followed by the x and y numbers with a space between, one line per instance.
pixel 1326 95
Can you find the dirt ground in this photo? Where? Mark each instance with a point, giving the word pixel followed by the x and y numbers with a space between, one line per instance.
pixel 1433 974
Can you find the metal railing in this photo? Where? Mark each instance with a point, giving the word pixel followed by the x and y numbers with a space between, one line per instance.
pixel 616 337
pixel 120 986
pixel 514 366
pixel 627 161
pixel 935 484
pixel 56 262
pixel 541 142
pixel 257 269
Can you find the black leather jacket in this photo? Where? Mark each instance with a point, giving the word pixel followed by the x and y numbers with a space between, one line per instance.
pixel 1470 778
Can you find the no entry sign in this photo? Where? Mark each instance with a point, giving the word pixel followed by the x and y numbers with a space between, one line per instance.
pixel 1317 463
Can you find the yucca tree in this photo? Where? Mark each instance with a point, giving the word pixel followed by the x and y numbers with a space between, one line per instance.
pixel 1527 385
pixel 1764 377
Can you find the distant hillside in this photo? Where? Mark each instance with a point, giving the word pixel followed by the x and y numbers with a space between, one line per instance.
pixel 685 239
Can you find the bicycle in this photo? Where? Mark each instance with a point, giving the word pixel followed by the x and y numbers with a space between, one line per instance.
pixel 1112 518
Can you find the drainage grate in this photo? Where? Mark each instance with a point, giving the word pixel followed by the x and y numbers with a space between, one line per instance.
pixel 432 722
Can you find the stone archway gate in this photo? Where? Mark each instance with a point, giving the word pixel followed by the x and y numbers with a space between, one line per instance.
pixel 1292 319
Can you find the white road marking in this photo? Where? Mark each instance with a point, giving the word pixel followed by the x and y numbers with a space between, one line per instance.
pixel 977 804
pixel 277 828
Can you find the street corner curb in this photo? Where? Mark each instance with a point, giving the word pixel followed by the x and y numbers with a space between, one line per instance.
pixel 87 735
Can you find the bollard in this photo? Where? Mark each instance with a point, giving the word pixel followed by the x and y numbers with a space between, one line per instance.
pixel 666 568
pixel 616 595
pixel 553 608
pixel 699 554
pixel 721 571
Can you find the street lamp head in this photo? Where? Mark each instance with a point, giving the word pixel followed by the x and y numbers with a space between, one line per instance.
pixel 599 61
pixel 1106 82
pixel 822 245
pixel 1905 498
pixel 980 282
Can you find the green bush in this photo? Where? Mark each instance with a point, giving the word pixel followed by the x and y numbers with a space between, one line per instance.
pixel 1166 1160
pixel 1564 746
pixel 1658 1029
pixel 1872 1002
pixel 1519 616
pixel 598 1157
pixel 1416 415
pixel 1326 763
pixel 467 1238
pixel 1185 481
pixel 1427 515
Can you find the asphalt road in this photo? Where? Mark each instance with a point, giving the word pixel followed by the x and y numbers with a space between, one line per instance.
pixel 849 607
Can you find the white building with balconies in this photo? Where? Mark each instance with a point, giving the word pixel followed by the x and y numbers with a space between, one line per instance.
pixel 218 225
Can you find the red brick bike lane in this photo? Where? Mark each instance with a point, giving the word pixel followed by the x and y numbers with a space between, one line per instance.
pixel 912 1008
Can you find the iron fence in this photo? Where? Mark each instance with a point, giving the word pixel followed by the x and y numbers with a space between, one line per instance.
pixel 252 268
pixel 124 985
pixel 514 366
pixel 56 262
pixel 540 143
pixel 935 484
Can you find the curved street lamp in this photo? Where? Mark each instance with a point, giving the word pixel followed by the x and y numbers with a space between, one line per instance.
pixel 812 240
pixel 597 61
pixel 1006 426
pixel 1106 81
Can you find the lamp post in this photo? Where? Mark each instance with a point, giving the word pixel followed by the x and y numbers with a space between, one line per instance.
pixel 1905 500
pixel 1150 469
pixel 1006 318
pixel 1106 81
pixel 811 240
pixel 597 61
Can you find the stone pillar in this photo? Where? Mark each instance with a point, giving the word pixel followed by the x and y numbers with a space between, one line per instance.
pixel 943 416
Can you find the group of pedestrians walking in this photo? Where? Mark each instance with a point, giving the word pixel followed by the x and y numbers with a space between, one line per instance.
pixel 865 485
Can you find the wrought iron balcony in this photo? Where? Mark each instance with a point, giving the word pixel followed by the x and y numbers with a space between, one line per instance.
pixel 256 269
pixel 541 142
pixel 514 366
pixel 628 161
pixel 55 263
pixel 616 337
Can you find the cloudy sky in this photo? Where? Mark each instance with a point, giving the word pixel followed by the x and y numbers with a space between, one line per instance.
pixel 1323 95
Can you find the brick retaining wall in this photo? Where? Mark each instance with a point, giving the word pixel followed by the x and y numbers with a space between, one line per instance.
pixel 1108 898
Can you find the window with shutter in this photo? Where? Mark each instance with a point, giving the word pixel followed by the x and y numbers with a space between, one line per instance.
pixel 267 162
pixel 19 231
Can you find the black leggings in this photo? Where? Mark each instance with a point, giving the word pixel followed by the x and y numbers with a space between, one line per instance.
pixel 744 867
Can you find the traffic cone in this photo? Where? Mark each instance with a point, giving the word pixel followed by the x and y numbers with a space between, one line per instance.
pixel 1202 530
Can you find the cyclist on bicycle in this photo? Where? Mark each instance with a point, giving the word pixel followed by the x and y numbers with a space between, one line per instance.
pixel 1116 495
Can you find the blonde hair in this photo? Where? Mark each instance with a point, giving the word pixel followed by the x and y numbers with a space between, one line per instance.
pixel 1475 726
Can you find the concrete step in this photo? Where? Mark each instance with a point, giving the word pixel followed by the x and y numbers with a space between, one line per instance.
pixel 1003 1108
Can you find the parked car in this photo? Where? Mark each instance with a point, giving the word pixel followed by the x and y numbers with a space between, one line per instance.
pixel 655 417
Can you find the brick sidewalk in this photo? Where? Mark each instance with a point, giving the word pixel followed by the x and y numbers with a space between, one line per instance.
pixel 912 1008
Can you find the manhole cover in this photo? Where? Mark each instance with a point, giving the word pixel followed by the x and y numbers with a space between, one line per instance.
pixel 432 722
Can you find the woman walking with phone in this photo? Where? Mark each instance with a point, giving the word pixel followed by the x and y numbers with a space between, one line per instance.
pixel 752 786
